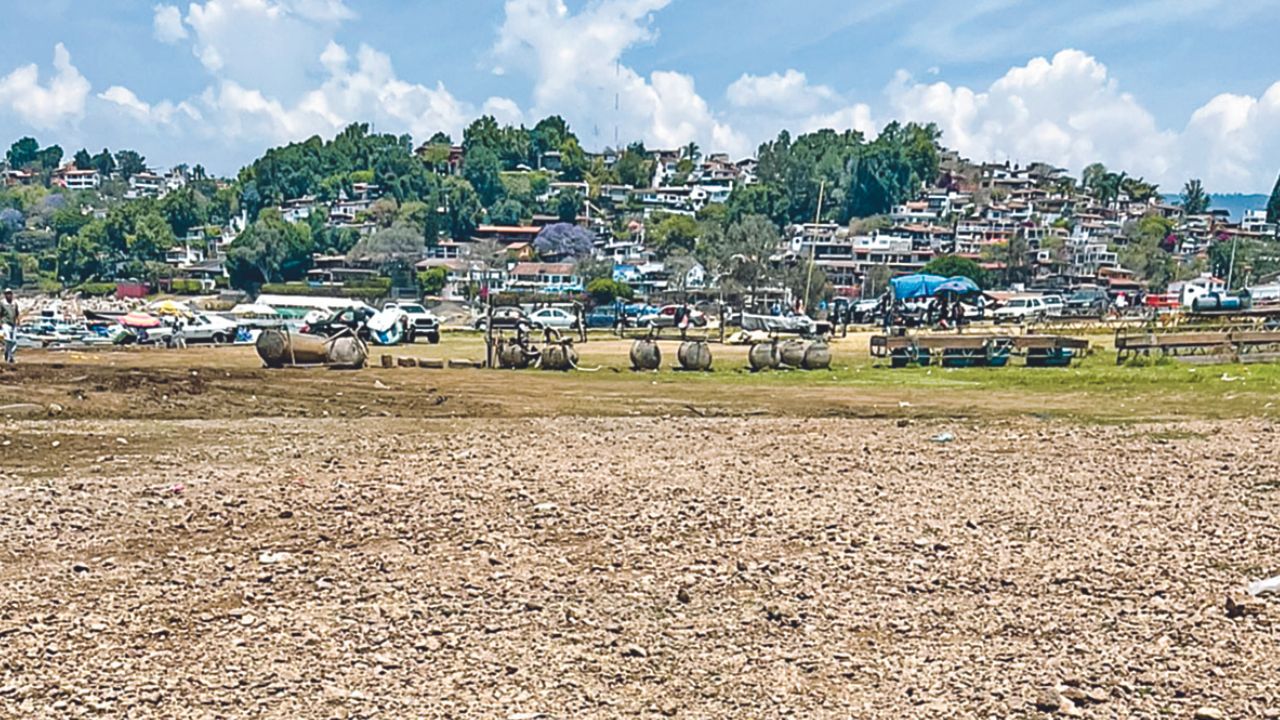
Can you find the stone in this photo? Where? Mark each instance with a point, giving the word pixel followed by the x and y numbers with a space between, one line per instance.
pixel 1209 713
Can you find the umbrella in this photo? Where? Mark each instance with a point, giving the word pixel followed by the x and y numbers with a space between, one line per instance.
pixel 139 319
pixel 169 307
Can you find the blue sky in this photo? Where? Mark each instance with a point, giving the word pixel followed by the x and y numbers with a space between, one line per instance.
pixel 1167 89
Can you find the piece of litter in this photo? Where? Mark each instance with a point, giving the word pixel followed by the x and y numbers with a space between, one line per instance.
pixel 903 403
pixel 945 437
pixel 1262 587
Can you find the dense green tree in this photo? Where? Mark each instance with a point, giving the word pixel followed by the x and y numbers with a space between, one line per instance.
pixel 1195 201
pixel 635 167
pixel 568 206
pixel 506 212
pixel 50 158
pixel 23 153
pixel 83 160
pixel 1093 176
pixel 482 169
pixel 269 250
pixel 82 256
pixel 432 281
pixel 573 160
pixel 549 134
pixel 398 245
pixel 605 291
pixel 482 132
pixel 184 209
pixel 462 208
pixel 130 163
pixel 151 239
pixel 68 220
pixel 1273 204
pixel 742 254
pixel 954 265
pixel 668 233
pixel 104 163
pixel 1146 251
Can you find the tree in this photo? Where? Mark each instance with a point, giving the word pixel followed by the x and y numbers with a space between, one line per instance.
pixel 104 163
pixel 22 153
pixel 563 240
pixel 267 251
pixel 130 163
pixel 604 291
pixel 506 212
pixel 673 232
pixel 1092 176
pixel 152 239
pixel 483 170
pixel 568 206
pixel 50 158
pixel 1195 201
pixel 432 281
pixel 81 256
pixel 634 167
pixel 83 160
pixel 954 265
pixel 183 210
pixel 742 253
pixel 573 160
pixel 391 249
pixel 1273 204
pixel 1146 252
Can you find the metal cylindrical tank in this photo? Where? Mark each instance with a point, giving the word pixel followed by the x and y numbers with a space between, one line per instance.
pixel 559 356
pixel 817 356
pixel 512 355
pixel 278 348
pixel 764 356
pixel 792 353
pixel 645 355
pixel 347 352
pixel 695 355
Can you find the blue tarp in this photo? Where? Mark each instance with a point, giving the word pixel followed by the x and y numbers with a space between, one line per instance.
pixel 910 287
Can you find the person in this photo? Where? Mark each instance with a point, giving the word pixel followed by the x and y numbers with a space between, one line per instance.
pixel 179 338
pixel 9 324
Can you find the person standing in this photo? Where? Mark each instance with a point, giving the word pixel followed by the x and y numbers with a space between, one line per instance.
pixel 179 336
pixel 9 324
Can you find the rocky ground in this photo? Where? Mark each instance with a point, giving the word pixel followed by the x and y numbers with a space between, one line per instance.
pixel 620 567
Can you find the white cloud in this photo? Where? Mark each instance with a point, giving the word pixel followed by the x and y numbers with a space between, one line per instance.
pixel 271 45
pixel 789 90
pixel 45 106
pixel 163 112
pixel 575 63
pixel 167 24
pixel 774 102
pixel 1233 141
pixel 1066 110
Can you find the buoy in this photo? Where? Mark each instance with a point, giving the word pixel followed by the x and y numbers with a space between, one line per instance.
pixel 645 355
pixel 695 355
pixel 764 356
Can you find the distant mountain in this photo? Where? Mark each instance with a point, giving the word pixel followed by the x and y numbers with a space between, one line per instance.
pixel 1234 203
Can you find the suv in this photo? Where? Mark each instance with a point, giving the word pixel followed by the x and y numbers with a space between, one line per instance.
pixel 1088 302
pixel 422 322
pixel 1022 309
pixel 505 317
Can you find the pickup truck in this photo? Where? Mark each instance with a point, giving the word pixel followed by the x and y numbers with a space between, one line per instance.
pixel 1087 302
pixel 422 322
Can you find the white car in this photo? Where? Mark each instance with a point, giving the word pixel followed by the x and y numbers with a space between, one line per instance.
pixel 209 328
pixel 553 317
pixel 1022 309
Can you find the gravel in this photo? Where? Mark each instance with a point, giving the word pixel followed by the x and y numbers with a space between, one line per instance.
pixel 653 567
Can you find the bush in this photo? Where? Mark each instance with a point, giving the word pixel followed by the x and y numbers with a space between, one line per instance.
pixel 97 289
pixel 362 293
pixel 604 291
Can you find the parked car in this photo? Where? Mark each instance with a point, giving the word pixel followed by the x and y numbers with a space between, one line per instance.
pixel 209 328
pixel 422 322
pixel 1094 302
pixel 864 311
pixel 507 317
pixel 607 317
pixel 1055 303
pixel 1219 301
pixel 666 317
pixel 353 318
pixel 554 318
pixel 1022 309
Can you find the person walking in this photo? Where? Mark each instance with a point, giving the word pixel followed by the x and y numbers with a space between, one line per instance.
pixel 9 324
pixel 179 337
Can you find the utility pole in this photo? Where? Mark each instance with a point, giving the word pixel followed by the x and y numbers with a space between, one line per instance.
pixel 813 247
pixel 1231 268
